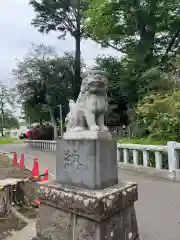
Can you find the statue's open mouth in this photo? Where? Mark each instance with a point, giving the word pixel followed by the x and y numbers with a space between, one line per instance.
pixel 97 83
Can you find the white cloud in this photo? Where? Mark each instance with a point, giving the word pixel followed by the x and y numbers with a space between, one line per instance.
pixel 17 34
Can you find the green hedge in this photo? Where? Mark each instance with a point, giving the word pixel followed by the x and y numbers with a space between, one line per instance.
pixel 145 141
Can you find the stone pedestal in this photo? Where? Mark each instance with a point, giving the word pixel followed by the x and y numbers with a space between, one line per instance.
pixel 88 163
pixel 86 202
pixel 71 213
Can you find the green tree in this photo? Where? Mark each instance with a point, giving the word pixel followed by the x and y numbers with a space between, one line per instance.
pixel 9 120
pixel 31 116
pixel 144 28
pixel 118 89
pixel 158 111
pixel 6 102
pixel 159 114
pixel 45 80
pixel 125 91
pixel 65 16
pixel 146 31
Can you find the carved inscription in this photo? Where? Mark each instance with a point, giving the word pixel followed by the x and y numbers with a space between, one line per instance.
pixel 72 159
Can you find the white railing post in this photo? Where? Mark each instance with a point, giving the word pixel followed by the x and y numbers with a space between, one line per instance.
pixel 118 154
pixel 125 155
pixel 42 144
pixel 158 160
pixel 135 157
pixel 145 158
pixel 172 159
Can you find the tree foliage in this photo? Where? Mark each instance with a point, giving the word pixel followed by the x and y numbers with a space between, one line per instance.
pixel 6 104
pixel 146 31
pixel 45 81
pixel 9 120
pixel 159 113
pixel 64 16
pixel 117 89
pixel 124 90
pixel 144 28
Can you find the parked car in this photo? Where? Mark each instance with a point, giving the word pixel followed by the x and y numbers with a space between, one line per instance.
pixel 23 136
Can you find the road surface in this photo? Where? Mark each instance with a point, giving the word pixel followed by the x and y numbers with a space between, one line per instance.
pixel 158 207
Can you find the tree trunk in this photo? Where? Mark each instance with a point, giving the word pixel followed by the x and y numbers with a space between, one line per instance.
pixel 41 122
pixel 2 121
pixel 54 124
pixel 77 82
pixel 77 36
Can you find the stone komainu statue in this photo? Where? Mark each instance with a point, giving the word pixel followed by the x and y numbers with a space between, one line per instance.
pixel 87 113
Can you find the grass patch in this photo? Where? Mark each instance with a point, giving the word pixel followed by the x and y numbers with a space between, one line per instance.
pixel 144 141
pixel 6 140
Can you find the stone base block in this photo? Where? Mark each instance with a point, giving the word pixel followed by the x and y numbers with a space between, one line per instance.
pixel 88 135
pixel 70 213
pixel 85 163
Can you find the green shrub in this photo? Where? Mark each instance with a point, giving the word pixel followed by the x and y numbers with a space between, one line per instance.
pixel 159 113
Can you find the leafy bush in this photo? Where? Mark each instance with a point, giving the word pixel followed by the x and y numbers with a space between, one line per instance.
pixel 159 113
pixel 146 141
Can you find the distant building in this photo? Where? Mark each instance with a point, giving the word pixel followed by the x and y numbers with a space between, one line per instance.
pixel 14 132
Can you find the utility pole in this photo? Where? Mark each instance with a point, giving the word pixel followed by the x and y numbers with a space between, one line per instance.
pixel 61 119
pixel 2 124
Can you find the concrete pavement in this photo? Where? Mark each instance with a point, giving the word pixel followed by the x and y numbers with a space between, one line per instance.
pixel 158 208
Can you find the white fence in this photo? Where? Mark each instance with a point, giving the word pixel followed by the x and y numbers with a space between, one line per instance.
pixel 42 144
pixel 151 156
pixel 164 159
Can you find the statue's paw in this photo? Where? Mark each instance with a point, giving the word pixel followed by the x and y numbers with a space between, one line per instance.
pixel 94 128
pixel 78 129
pixel 104 128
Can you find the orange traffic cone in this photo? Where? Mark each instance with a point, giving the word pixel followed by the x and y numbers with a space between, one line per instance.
pixel 35 170
pixel 22 161
pixel 45 177
pixel 15 159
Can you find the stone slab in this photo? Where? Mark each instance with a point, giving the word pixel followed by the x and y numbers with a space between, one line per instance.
pixel 72 213
pixel 94 204
pixel 90 164
pixel 87 135
pixel 9 181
